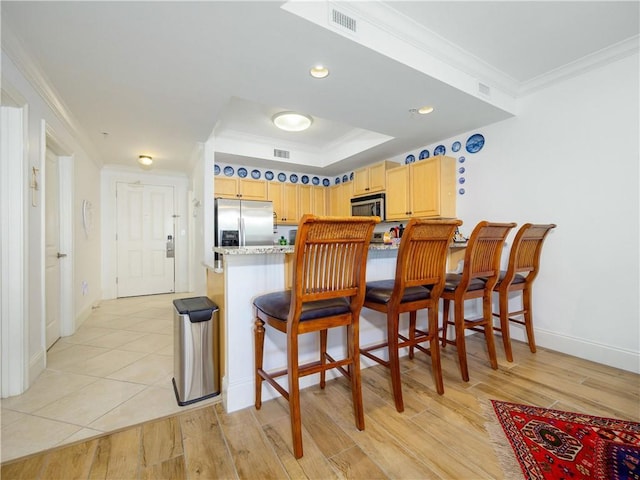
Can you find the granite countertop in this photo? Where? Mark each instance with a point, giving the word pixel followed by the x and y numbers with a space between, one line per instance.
pixel 271 249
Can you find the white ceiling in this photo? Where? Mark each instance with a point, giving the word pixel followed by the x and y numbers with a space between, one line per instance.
pixel 160 77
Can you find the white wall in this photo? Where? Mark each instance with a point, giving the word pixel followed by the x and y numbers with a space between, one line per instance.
pixel 40 115
pixel 571 157
pixel 110 176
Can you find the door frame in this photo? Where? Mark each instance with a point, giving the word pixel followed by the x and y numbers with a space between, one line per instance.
pixel 52 142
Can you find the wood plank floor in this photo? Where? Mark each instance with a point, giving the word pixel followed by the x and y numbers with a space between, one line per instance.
pixel 439 437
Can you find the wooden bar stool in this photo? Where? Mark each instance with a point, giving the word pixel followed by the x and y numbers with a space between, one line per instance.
pixel 328 291
pixel 479 275
pixel 418 283
pixel 524 263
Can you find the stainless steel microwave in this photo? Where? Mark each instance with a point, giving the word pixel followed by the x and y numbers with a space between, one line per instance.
pixel 368 206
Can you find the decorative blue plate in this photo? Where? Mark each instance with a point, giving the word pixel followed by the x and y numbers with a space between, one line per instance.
pixel 351 176
pixel 461 180
pixel 315 181
pixel 304 179
pixel 439 150
pixel 424 154
pixel 326 182
pixel 228 171
pixel 461 170
pixel 242 172
pixel 337 181
pixel 461 191
pixel 216 169
pixel 475 143
pixel 293 178
pixel 410 159
pixel 461 159
pixel 456 146
pixel 255 174
pixel 268 175
pixel 345 178
pixel 282 177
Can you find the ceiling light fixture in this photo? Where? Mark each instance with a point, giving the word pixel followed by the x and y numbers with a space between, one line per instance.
pixel 319 71
pixel 292 121
pixel 426 109
pixel 145 160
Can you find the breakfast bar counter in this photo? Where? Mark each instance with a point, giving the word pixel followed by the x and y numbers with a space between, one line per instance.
pixel 244 273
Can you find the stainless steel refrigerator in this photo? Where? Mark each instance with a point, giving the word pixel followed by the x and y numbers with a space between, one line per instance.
pixel 243 223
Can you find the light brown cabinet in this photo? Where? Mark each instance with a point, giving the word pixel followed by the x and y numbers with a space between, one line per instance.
pixel 371 179
pixel 291 201
pixel 247 189
pixel 285 202
pixel 340 199
pixel 423 189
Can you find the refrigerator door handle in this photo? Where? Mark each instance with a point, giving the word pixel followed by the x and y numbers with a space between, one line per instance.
pixel 243 240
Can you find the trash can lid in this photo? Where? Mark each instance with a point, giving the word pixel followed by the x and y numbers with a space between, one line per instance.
pixel 199 309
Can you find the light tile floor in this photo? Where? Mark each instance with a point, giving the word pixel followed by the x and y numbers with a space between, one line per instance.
pixel 115 371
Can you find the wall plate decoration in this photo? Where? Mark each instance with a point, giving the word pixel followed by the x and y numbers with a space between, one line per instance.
pixel 351 176
pixel 282 177
pixel 475 143
pixel 87 217
pixel 216 169
pixel 326 182
pixel 315 181
pixel 268 175
pixel 304 179
pixel 228 171
pixel 345 178
pixel 461 159
pixel 337 181
pixel 424 154
pixel 410 159
pixel 439 150
pixel 255 174
pixel 456 146
pixel 242 172
pixel 293 178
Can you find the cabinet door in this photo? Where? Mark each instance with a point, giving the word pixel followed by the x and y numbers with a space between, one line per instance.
pixel 276 195
pixel 253 189
pixel 398 193
pixel 320 195
pixel 305 200
pixel 361 181
pixel 425 188
pixel 377 177
pixel 334 200
pixel 225 187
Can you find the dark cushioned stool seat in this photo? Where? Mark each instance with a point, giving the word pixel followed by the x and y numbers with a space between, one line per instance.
pixel 380 291
pixel 277 305
pixel 453 280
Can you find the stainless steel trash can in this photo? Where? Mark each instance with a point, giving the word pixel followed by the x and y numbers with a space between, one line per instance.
pixel 195 350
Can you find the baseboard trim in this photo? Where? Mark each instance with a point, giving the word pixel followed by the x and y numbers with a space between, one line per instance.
pixel 37 365
pixel 596 352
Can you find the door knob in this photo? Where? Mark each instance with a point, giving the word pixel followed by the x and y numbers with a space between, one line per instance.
pixel 61 255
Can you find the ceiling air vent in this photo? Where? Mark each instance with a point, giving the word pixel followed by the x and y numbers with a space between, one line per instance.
pixel 280 153
pixel 484 89
pixel 340 19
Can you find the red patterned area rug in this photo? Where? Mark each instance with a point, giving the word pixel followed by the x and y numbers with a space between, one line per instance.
pixel 552 444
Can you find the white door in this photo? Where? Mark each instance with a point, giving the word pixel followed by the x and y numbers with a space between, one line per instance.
pixel 53 256
pixel 144 224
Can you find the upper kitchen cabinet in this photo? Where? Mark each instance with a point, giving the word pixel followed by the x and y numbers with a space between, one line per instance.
pixel 312 199
pixel 239 188
pixel 372 178
pixel 285 202
pixel 340 199
pixel 423 189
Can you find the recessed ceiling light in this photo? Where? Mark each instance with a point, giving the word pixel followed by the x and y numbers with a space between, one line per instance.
pixel 292 121
pixel 145 160
pixel 426 109
pixel 319 71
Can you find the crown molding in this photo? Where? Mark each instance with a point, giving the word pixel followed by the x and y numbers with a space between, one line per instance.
pixel 14 49
pixel 592 61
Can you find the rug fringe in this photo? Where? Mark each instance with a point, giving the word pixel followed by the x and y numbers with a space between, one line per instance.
pixel 501 445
